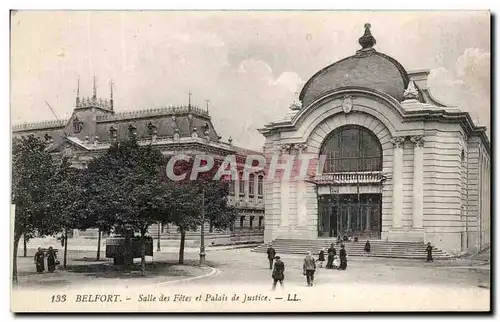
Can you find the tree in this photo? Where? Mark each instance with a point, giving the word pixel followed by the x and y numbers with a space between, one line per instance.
pixel 186 202
pixel 126 189
pixel 32 171
pixel 67 202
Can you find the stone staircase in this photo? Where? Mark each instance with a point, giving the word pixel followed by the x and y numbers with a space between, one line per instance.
pixel 379 248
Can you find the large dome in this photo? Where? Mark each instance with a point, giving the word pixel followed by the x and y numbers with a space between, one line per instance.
pixel 367 68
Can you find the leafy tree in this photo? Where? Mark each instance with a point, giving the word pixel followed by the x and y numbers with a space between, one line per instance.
pixel 32 171
pixel 186 203
pixel 67 202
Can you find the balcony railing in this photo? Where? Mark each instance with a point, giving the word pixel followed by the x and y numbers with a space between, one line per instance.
pixel 343 178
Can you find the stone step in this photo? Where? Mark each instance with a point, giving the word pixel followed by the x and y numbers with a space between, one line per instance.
pixel 379 248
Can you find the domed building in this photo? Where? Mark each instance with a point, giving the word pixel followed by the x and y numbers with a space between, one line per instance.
pixel 391 162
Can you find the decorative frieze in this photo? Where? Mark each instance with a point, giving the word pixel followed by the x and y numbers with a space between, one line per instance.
pixel 153 112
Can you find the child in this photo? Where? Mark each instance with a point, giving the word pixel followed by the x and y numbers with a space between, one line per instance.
pixel 321 257
pixel 336 262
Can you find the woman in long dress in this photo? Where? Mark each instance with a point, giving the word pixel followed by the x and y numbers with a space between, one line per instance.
pixel 343 258
pixel 321 257
pixel 39 260
pixel 51 260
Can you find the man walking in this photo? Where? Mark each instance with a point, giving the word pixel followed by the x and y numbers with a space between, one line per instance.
pixel 278 272
pixel 271 253
pixel 309 268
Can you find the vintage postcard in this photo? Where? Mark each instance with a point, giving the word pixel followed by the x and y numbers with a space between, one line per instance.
pixel 250 161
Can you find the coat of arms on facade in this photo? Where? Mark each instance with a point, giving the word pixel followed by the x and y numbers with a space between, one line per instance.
pixel 347 104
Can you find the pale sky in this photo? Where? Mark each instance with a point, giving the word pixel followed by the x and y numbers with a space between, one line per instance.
pixel 248 64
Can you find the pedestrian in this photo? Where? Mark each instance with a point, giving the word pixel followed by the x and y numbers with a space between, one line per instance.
pixel 51 260
pixel 278 274
pixel 429 252
pixel 343 257
pixel 309 268
pixel 367 246
pixel 271 253
pixel 321 257
pixel 39 260
pixel 339 240
pixel 336 262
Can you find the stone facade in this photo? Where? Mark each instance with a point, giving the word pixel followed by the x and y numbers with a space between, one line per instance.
pixel 435 161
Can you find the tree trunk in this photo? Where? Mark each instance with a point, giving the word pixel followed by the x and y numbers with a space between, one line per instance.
pixel 25 246
pixel 99 244
pixel 143 253
pixel 65 248
pixel 17 237
pixel 181 248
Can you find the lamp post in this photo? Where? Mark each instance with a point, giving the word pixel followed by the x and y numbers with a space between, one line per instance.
pixel 158 247
pixel 202 232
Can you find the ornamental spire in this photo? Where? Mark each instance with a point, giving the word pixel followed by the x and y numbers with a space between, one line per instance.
pixel 367 41
pixel 78 92
pixel 94 91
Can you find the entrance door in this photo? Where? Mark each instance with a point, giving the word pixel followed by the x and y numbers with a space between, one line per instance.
pixel 349 215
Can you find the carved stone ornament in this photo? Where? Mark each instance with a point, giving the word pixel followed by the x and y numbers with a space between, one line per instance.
pixel 418 140
pixel 295 106
pixel 285 148
pixel 301 147
pixel 411 93
pixel 398 141
pixel 347 104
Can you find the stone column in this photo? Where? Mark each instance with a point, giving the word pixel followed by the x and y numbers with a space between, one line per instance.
pixel 285 201
pixel 397 182
pixel 418 182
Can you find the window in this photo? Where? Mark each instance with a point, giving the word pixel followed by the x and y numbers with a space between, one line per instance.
pixel 77 125
pixel 260 188
pixel 261 219
pixel 251 184
pixel 352 149
pixel 231 187
pixel 251 221
pixel 242 220
pixel 242 185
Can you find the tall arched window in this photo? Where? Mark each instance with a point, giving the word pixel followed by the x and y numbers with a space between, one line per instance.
pixel 251 183
pixel 352 148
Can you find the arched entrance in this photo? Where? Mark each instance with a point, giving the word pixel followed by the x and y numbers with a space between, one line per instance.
pixel 349 190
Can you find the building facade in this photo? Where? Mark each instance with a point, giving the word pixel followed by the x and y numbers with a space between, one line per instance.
pixel 94 125
pixel 393 163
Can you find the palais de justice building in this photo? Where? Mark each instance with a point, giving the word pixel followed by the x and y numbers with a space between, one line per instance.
pixel 400 166
pixel 94 125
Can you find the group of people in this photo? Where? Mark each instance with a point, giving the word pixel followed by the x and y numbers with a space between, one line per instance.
pixel 40 256
pixel 309 264
pixel 334 261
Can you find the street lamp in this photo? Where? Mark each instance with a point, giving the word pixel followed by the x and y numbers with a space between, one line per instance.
pixel 202 233
pixel 158 248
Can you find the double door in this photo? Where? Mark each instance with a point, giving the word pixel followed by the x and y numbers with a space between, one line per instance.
pixel 351 215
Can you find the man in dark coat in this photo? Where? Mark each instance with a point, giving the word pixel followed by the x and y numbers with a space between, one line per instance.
pixel 271 253
pixel 367 246
pixel 429 252
pixel 40 260
pixel 343 258
pixel 278 272
pixel 331 255
pixel 309 268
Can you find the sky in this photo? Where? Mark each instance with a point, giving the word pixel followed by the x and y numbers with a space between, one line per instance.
pixel 249 65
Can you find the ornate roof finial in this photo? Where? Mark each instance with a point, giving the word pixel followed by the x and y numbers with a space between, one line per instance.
pixel 94 91
pixel 78 92
pixel 208 102
pixel 189 94
pixel 297 104
pixel 367 41
pixel 411 92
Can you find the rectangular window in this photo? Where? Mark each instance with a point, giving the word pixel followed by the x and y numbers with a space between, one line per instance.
pixel 242 185
pixel 251 185
pixel 261 218
pixel 251 221
pixel 231 187
pixel 242 220
pixel 260 186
